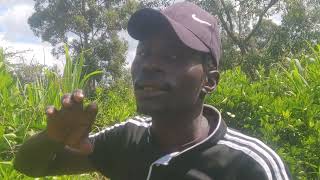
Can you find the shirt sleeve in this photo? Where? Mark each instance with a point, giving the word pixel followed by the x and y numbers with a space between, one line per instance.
pixel 252 170
pixel 263 170
pixel 107 149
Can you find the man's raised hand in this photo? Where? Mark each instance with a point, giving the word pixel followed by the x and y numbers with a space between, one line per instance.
pixel 71 124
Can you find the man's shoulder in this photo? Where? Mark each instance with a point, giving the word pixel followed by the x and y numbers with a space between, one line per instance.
pixel 130 125
pixel 254 152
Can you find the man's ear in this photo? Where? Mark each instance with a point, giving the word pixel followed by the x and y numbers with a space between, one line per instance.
pixel 212 81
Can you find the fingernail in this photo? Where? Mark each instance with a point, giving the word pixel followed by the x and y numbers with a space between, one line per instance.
pixel 66 102
pixel 50 110
pixel 78 96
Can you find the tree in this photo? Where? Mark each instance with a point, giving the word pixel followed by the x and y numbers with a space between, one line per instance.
pixel 300 24
pixel 240 19
pixel 156 3
pixel 92 26
pixel 246 30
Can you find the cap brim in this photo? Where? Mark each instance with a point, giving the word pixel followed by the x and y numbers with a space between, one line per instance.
pixel 146 22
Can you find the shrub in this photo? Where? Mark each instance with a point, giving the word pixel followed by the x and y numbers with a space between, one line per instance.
pixel 281 107
pixel 23 106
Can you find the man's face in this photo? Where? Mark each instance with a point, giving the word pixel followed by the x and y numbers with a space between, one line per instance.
pixel 167 75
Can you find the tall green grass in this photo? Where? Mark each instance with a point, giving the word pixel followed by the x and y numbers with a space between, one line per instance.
pixel 23 106
pixel 72 78
pixel 281 107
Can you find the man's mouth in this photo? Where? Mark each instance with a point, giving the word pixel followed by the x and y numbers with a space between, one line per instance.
pixel 143 90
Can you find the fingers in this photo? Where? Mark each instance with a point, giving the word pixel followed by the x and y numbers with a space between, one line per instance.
pixel 78 96
pixel 72 123
pixel 73 101
pixel 66 101
pixel 92 111
pixel 84 148
pixel 51 112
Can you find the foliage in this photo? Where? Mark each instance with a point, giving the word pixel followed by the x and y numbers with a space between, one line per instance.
pixel 72 77
pixel 27 73
pixel 251 38
pixel 300 24
pixel 116 103
pixel 157 3
pixel 90 25
pixel 23 107
pixel 282 108
pixel 240 19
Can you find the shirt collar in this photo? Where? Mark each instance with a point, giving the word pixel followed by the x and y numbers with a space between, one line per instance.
pixel 217 132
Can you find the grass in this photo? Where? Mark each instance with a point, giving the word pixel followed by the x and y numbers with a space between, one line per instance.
pixel 23 106
pixel 281 107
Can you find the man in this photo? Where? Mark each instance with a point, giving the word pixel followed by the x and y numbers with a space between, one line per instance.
pixel 174 68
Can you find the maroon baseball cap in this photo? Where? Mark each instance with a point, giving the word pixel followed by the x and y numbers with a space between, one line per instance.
pixel 195 27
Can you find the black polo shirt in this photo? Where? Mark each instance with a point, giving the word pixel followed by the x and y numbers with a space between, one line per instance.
pixel 126 151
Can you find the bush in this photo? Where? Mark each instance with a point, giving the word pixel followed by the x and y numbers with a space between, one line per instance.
pixel 23 106
pixel 281 107
pixel 115 104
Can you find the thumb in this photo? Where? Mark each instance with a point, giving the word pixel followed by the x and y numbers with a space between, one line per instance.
pixel 84 148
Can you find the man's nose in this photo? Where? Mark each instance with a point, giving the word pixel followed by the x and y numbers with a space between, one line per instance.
pixel 152 66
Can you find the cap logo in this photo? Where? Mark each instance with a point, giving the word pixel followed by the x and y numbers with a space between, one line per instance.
pixel 199 20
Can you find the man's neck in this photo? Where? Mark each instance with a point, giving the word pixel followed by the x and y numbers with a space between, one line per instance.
pixel 178 131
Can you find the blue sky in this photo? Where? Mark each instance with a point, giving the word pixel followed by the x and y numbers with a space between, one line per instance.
pixel 2 9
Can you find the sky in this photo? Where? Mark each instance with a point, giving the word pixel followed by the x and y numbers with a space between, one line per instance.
pixel 16 35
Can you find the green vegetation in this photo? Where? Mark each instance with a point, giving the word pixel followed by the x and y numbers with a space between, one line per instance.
pixel 94 26
pixel 270 81
pixel 23 106
pixel 281 107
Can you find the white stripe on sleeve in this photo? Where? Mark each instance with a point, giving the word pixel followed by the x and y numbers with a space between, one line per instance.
pixel 131 121
pixel 259 149
pixel 249 153
pixel 278 159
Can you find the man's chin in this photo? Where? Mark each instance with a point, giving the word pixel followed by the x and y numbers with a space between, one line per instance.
pixel 151 110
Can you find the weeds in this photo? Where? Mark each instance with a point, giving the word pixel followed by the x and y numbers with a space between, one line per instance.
pixel 281 107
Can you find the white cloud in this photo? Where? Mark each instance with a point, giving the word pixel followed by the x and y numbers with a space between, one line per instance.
pixel 132 46
pixel 277 18
pixel 131 50
pixel 14 22
pixel 16 34
pixel 36 52
pixel 11 3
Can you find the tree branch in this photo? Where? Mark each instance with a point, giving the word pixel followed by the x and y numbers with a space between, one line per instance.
pixel 225 26
pixel 271 3
pixel 229 19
